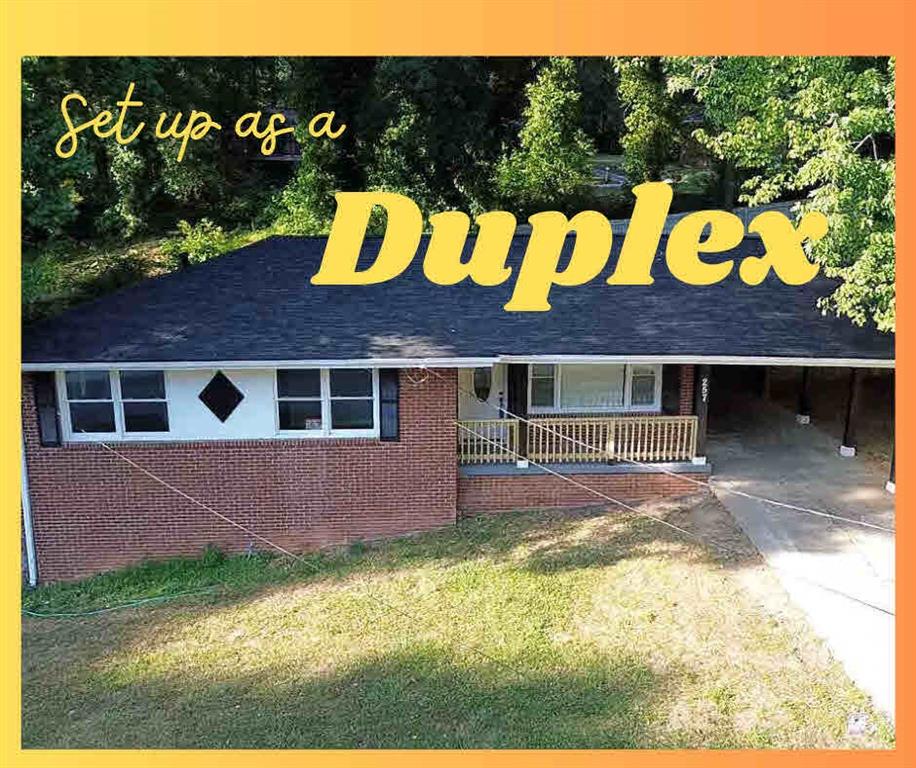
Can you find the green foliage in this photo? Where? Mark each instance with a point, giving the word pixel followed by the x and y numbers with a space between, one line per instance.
pixel 155 578
pixel 213 557
pixel 51 188
pixel 305 206
pixel 551 168
pixel 432 138
pixel 822 127
pixel 61 275
pixel 197 243
pixel 40 278
pixel 653 120
pixel 602 112
pixel 108 190
pixel 134 192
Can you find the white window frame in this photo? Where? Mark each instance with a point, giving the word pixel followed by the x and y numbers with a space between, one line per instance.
pixel 627 406
pixel 326 431
pixel 120 434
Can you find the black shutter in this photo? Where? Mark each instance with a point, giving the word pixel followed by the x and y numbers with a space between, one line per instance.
pixel 518 390
pixel 388 390
pixel 46 406
pixel 671 389
pixel 517 401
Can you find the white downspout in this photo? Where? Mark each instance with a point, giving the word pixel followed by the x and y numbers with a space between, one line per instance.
pixel 27 524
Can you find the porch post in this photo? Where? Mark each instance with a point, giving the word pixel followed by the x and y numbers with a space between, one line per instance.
pixel 701 406
pixel 804 397
pixel 891 484
pixel 848 447
pixel 765 382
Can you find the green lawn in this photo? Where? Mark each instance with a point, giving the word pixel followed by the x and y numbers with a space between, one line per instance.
pixel 585 629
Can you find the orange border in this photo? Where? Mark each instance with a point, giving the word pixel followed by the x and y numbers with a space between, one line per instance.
pixel 401 27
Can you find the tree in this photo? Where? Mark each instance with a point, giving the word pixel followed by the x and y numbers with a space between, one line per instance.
pixel 51 190
pixel 652 118
pixel 430 123
pixel 602 112
pixel 118 191
pixel 818 127
pixel 552 165
pixel 305 205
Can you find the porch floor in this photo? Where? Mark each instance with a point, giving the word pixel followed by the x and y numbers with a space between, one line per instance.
pixel 583 468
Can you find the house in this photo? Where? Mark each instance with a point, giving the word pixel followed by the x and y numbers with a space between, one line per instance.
pixel 320 415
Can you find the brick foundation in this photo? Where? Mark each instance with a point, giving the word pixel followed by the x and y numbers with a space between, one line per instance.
pixel 505 493
pixel 92 511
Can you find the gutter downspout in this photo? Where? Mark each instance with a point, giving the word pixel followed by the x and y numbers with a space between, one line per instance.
pixel 28 533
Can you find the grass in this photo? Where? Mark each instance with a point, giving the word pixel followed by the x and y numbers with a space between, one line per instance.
pixel 581 629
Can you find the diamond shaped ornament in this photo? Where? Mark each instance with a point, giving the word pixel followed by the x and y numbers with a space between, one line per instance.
pixel 221 396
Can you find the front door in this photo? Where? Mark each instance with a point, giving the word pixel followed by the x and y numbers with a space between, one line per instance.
pixel 475 380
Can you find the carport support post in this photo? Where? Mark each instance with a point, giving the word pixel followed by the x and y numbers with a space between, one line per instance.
pixel 891 484
pixel 804 397
pixel 701 406
pixel 848 448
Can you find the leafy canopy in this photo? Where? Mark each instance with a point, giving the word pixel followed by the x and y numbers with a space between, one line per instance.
pixel 653 121
pixel 553 162
pixel 821 127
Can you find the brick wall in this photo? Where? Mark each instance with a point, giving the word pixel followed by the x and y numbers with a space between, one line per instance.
pixel 504 493
pixel 685 401
pixel 92 511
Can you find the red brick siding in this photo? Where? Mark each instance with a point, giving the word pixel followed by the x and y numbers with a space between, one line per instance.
pixel 92 511
pixel 685 403
pixel 504 493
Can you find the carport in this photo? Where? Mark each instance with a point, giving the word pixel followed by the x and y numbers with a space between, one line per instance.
pixel 819 438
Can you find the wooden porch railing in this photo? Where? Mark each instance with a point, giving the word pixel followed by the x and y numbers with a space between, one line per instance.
pixel 584 439
pixel 487 441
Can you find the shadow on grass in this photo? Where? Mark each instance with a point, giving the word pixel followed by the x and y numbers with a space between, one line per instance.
pixel 421 698
pixel 183 675
pixel 708 535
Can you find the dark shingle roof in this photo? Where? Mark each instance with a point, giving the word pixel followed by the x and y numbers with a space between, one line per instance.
pixel 258 304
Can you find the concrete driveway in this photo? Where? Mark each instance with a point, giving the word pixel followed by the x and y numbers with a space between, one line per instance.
pixel 841 576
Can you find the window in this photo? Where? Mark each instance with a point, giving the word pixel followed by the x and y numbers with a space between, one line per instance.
pixel 352 399
pixel 483 383
pixel 542 383
pixel 115 404
pixel 594 388
pixel 91 403
pixel 299 399
pixel 337 401
pixel 143 401
pixel 643 385
pixel 221 396
pixel 591 387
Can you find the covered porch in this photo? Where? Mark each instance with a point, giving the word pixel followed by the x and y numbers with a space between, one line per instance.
pixel 578 413
pixel 590 439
